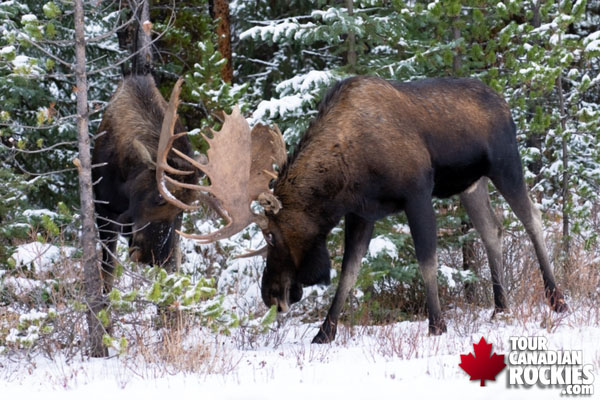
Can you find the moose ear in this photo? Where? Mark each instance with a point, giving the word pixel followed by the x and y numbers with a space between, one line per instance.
pixel 143 153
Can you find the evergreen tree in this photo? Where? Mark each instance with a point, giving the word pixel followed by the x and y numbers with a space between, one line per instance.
pixel 537 55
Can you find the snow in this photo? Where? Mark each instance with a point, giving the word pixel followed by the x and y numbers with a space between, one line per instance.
pixel 21 61
pixel 393 361
pixel 25 65
pixel 39 256
pixel 28 18
pixel 295 92
pixel 592 37
pixel 432 5
pixel 593 46
pixel 21 286
pixel 364 362
pixel 382 244
pixel 312 80
pixel 7 50
pixel 277 31
pixel 40 213
pixel 270 109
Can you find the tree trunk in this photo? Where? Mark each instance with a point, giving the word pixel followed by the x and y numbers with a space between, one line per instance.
pixel 142 62
pixel 468 245
pixel 536 20
pixel 457 59
pixel 535 138
pixel 135 38
pixel 351 40
pixel 91 265
pixel 566 242
pixel 468 257
pixel 220 11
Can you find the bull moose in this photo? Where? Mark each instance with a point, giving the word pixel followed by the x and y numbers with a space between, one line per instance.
pixel 375 148
pixel 127 199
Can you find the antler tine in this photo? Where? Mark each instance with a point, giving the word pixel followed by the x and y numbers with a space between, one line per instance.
pixel 240 167
pixel 165 143
pixel 228 230
pixel 253 253
pixel 169 147
pixel 224 232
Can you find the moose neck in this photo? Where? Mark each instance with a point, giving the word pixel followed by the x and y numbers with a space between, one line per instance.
pixel 313 186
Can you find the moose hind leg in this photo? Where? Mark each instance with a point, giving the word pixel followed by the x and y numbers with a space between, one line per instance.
pixel 421 220
pixel 358 233
pixel 512 187
pixel 478 207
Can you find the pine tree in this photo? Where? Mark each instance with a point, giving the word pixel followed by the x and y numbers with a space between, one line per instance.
pixel 537 55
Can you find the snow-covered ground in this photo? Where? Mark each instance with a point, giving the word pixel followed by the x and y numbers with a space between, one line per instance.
pixel 394 361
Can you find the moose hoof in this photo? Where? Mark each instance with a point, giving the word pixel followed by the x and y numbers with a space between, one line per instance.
pixel 437 328
pixel 560 306
pixel 498 310
pixel 557 302
pixel 326 333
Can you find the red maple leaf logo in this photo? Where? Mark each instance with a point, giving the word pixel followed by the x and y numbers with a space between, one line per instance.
pixel 484 365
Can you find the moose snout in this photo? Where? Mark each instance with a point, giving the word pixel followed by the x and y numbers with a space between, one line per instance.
pixel 282 306
pixel 281 302
pixel 281 296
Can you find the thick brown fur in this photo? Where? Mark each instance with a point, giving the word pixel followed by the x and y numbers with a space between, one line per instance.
pixel 378 147
pixel 128 201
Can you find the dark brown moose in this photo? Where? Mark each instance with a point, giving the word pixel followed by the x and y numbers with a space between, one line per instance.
pixel 376 148
pixel 127 199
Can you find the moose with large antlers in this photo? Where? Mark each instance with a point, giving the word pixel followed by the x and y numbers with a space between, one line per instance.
pixel 127 199
pixel 375 148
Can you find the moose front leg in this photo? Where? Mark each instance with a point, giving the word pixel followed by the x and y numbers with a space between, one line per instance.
pixel 357 236
pixel 421 220
pixel 108 237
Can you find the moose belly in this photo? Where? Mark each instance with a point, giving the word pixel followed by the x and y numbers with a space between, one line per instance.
pixel 451 180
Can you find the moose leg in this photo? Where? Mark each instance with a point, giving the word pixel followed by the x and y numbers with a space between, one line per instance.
pixel 479 209
pixel 357 236
pixel 512 187
pixel 421 220
pixel 174 262
pixel 108 237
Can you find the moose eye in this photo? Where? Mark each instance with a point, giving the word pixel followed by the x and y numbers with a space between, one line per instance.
pixel 269 239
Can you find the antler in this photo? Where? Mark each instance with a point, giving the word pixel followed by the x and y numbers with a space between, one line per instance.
pixel 240 167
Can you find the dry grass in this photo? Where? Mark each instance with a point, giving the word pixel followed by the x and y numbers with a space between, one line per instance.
pixel 183 347
pixel 178 349
pixel 529 309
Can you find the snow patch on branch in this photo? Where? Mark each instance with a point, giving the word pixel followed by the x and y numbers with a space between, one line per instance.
pixel 296 93
pixel 40 256
pixel 381 244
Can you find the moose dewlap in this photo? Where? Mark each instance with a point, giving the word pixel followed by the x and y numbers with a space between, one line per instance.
pixel 379 147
